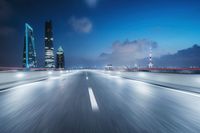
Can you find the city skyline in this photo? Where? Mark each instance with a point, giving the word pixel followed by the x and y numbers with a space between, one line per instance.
pixel 89 29
pixel 29 52
pixel 100 66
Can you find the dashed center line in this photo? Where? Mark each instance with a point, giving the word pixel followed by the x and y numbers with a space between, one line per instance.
pixel 93 101
pixel 86 76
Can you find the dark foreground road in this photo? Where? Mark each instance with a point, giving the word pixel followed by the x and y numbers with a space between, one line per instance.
pixel 91 102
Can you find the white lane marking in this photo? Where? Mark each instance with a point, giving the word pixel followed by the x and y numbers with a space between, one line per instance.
pixel 93 101
pixel 86 76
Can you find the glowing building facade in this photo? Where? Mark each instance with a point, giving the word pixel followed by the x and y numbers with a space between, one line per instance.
pixel 49 50
pixel 60 58
pixel 29 53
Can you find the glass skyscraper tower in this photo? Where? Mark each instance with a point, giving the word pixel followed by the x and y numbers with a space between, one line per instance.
pixel 49 50
pixel 29 54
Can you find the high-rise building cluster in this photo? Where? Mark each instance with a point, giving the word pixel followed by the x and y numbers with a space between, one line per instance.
pixel 29 53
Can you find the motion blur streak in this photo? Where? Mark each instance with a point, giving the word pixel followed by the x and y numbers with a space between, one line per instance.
pixel 93 100
pixel 63 105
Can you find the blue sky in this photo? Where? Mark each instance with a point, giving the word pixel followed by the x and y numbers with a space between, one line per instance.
pixel 87 28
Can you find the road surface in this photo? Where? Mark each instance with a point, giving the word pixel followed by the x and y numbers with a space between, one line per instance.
pixel 94 102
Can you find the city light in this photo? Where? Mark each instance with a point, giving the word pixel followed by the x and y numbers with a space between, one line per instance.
pixel 142 74
pixel 20 75
pixel 118 72
pixel 50 72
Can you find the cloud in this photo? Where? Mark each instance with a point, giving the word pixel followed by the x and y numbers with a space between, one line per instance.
pixel 91 3
pixel 131 52
pixel 183 58
pixel 128 52
pixel 81 25
pixel 5 10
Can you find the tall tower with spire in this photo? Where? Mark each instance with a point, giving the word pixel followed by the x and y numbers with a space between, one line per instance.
pixel 150 58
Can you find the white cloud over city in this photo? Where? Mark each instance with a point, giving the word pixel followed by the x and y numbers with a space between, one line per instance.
pixel 81 25
pixel 128 52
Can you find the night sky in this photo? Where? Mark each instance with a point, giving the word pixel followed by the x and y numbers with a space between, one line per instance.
pixel 97 32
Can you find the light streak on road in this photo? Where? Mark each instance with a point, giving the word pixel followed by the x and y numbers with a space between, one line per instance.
pixel 142 74
pixel 20 75
pixel 50 72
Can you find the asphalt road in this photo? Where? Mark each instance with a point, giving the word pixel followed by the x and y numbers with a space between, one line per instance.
pixel 94 102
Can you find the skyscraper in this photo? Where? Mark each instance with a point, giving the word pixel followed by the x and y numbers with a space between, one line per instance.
pixel 60 58
pixel 49 50
pixel 29 54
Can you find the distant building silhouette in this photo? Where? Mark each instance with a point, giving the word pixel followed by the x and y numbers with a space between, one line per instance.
pixel 109 67
pixel 60 58
pixel 49 49
pixel 29 53
pixel 150 65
